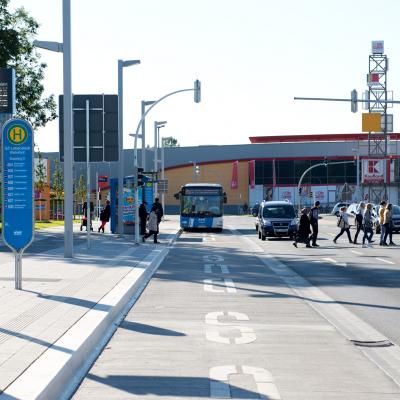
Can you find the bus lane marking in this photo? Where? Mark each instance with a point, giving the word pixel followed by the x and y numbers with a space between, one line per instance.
pixel 228 283
pixel 208 268
pixel 219 381
pixel 247 334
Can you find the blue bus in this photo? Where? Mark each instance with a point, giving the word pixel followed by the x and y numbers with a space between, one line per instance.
pixel 201 206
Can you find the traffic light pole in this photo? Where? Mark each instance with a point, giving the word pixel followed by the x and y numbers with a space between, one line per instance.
pixel 325 164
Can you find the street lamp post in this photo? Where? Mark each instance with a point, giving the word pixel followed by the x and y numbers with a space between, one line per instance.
pixel 144 105
pixel 121 65
pixel 197 98
pixel 157 126
pixel 163 170
pixel 65 48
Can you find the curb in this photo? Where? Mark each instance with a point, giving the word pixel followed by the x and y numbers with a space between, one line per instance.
pixel 59 370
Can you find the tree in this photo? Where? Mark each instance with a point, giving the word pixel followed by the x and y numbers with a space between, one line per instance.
pixel 40 180
pixel 58 184
pixel 17 32
pixel 170 142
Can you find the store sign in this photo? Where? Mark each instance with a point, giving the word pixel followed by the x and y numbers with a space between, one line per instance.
pixel 17 195
pixel 378 47
pixel 7 91
pixel 373 171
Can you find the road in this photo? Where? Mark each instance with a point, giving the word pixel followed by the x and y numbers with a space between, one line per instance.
pixel 219 320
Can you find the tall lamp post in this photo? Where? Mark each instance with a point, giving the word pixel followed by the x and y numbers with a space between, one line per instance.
pixel 144 105
pixel 65 48
pixel 157 126
pixel 121 65
pixel 197 98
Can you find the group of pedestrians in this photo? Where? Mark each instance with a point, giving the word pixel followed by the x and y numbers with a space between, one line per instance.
pixel 150 221
pixel 308 227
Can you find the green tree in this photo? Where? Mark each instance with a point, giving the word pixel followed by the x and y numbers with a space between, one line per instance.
pixel 170 142
pixel 40 179
pixel 58 184
pixel 17 32
pixel 80 190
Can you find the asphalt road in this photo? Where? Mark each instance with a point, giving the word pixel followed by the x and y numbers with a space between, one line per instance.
pixel 365 280
pixel 216 321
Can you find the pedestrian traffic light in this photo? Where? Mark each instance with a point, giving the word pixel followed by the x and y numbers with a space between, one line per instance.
pixel 140 177
pixel 197 91
pixel 310 195
pixel 300 190
pixel 354 103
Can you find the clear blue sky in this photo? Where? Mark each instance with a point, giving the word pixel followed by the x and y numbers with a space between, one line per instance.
pixel 252 57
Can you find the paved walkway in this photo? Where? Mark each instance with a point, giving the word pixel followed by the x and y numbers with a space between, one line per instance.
pixel 58 292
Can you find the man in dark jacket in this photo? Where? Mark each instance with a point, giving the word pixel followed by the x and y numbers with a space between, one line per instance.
pixel 159 207
pixel 105 216
pixel 314 215
pixel 304 229
pixel 143 219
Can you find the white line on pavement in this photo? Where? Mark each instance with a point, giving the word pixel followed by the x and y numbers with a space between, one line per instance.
pixel 357 252
pixel 383 260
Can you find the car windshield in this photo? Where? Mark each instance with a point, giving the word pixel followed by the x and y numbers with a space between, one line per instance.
pixel 396 210
pixel 279 211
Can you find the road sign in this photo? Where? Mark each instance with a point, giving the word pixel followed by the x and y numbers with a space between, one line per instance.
pixel 17 194
pixel 7 91
pixel 371 122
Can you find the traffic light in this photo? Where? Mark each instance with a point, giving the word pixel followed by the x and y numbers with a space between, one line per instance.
pixel 140 177
pixel 354 103
pixel 197 91
pixel 310 195
pixel 300 190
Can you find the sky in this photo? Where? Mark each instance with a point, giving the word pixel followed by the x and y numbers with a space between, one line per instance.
pixel 251 56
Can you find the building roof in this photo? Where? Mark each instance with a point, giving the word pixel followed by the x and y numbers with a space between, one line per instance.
pixel 328 137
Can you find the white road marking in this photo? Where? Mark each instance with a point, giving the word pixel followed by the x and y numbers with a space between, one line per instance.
pixel 219 381
pixel 332 261
pixel 247 334
pixel 208 268
pixel 357 252
pixel 213 258
pixel 228 283
pixel 383 260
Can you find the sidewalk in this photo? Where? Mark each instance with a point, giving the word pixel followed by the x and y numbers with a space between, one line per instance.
pixel 58 294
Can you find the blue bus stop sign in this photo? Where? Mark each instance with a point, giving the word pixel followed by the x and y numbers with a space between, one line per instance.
pixel 17 193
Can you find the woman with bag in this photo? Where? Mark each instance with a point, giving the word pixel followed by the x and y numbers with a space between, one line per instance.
pixel 343 224
pixel 152 225
pixel 368 225
pixel 105 216
pixel 303 233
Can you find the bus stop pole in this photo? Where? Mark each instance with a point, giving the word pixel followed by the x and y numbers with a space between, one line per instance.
pixel 88 208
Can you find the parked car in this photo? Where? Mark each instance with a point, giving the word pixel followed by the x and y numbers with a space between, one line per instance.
pixel 254 209
pixel 337 206
pixel 276 219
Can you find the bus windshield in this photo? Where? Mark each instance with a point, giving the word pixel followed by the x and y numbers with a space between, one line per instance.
pixel 202 206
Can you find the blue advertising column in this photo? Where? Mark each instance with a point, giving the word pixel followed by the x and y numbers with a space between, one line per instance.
pixel 17 193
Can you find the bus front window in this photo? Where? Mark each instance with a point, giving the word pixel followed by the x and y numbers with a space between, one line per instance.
pixel 202 206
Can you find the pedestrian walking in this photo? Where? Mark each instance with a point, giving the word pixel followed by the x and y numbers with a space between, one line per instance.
pixel 303 233
pixel 105 214
pixel 152 225
pixel 84 217
pixel 382 209
pixel 368 224
pixel 314 215
pixel 343 224
pixel 143 214
pixel 388 223
pixel 159 209
pixel 359 220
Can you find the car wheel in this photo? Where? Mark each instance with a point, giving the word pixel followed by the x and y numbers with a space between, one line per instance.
pixel 337 213
pixel 263 237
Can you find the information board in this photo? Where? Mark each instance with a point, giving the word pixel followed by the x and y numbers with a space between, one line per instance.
pixel 17 194
pixel 7 91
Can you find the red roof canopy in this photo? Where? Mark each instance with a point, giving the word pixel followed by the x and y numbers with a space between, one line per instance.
pixel 330 137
